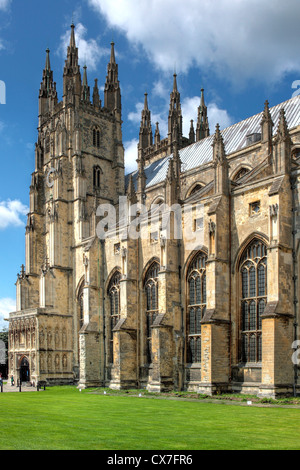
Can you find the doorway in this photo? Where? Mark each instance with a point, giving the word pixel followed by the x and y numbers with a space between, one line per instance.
pixel 24 370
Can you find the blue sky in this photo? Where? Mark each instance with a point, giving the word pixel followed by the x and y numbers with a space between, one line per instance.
pixel 241 51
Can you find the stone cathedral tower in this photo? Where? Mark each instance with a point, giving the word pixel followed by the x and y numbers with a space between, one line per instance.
pixel 79 164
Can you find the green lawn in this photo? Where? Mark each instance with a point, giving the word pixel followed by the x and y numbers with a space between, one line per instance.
pixel 66 419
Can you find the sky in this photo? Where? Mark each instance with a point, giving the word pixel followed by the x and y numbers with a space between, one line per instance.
pixel 242 52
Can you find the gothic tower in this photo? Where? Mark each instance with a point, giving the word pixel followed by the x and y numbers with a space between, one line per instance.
pixel 79 164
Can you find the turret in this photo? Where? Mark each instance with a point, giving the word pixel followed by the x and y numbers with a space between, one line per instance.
pixel 47 93
pixel 85 90
pixel 146 137
pixel 175 116
pixel 202 130
pixel 192 133
pixel 282 151
pixel 96 96
pixel 72 76
pixel 112 92
pixel 267 131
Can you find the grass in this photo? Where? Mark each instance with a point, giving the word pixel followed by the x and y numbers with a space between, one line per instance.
pixel 62 418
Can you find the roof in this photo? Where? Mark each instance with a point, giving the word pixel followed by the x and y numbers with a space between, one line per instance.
pixel 235 139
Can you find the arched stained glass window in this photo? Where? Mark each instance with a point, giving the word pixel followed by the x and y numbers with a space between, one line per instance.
pixel 253 269
pixel 196 280
pixel 114 297
pixel 151 290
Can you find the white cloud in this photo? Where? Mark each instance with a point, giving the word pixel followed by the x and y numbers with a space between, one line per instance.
pixel 11 213
pixel 218 116
pixel 7 305
pixel 160 89
pixel 131 155
pixel 215 115
pixel 4 4
pixel 135 116
pixel 89 51
pixel 237 39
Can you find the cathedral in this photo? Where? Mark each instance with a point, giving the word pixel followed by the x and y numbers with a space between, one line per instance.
pixel 201 298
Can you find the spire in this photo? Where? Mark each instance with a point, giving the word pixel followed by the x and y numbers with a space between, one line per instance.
pixel 72 53
pixel 281 159
pixel 47 93
pixel 192 132
pixel 218 145
pixel 96 96
pixel 112 92
pixel 48 66
pixel 84 81
pixel 146 102
pixel 282 131
pixel 72 38
pixel 202 130
pixel 175 116
pixel 266 113
pixel 48 87
pixel 112 53
pixel 267 132
pixel 146 137
pixel 85 94
pixel 175 89
pixel 266 124
pixel 72 77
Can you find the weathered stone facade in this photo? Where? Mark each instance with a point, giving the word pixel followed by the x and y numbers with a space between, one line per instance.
pixel 146 306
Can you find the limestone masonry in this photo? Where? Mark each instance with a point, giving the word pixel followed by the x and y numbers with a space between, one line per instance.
pixel 157 311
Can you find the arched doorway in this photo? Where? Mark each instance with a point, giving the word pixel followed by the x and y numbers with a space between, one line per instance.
pixel 24 370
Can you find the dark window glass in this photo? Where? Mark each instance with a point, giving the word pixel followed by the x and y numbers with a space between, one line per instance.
pixel 151 290
pixel 196 283
pixel 253 270
pixel 114 296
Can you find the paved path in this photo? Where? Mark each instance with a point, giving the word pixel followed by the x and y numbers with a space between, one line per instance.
pixel 25 388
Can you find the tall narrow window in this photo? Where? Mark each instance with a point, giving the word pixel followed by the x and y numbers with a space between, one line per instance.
pixel 253 270
pixel 196 280
pixel 96 138
pixel 96 177
pixel 114 296
pixel 80 307
pixel 47 143
pixel 151 290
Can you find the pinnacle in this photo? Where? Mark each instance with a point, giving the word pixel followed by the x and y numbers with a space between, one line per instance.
pixel 72 38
